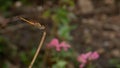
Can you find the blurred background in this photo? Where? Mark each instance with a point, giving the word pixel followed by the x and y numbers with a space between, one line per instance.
pixel 87 25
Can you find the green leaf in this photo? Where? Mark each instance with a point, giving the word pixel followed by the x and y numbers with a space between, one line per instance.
pixel 3 44
pixel 55 19
pixel 115 62
pixel 5 65
pixel 65 20
pixel 64 32
pixel 70 2
pixel 24 58
pixel 118 65
pixel 46 14
pixel 60 64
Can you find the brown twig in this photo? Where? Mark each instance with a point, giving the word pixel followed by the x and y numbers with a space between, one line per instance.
pixel 39 26
pixel 39 47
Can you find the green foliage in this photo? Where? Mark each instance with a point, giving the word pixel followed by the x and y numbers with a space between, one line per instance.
pixel 61 20
pixel 3 44
pixel 25 1
pixel 90 65
pixel 46 14
pixel 64 27
pixel 69 2
pixel 62 54
pixel 5 4
pixel 61 58
pixel 60 64
pixel 61 15
pixel 115 63
pixel 24 58
pixel 5 65
pixel 65 30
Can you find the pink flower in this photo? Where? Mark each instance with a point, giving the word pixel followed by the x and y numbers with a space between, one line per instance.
pixel 83 58
pixel 88 54
pixel 65 45
pixel 82 65
pixel 55 43
pixel 94 56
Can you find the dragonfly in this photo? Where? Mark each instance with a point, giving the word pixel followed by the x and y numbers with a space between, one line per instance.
pixel 34 23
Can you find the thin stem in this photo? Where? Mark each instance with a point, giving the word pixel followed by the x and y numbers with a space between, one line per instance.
pixel 38 50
